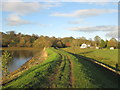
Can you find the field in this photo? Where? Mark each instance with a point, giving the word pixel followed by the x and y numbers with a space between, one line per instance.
pixel 107 56
pixel 64 70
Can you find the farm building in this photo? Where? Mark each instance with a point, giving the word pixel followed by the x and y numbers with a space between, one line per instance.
pixel 97 47
pixel 111 48
pixel 84 45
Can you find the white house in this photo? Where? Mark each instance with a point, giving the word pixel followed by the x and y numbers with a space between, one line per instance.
pixel 97 47
pixel 111 48
pixel 83 45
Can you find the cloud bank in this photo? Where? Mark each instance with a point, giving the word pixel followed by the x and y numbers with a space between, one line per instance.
pixel 64 0
pixel 85 13
pixel 21 8
pixel 112 31
pixel 15 20
pixel 18 8
pixel 96 28
pixel 80 21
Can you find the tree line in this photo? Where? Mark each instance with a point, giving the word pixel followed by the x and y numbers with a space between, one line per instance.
pixel 11 39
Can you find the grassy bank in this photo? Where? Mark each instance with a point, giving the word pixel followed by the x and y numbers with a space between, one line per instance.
pixel 64 70
pixel 37 75
pixel 38 58
pixel 107 56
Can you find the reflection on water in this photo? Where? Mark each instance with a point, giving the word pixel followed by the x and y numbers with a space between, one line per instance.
pixel 0 53
pixel 19 58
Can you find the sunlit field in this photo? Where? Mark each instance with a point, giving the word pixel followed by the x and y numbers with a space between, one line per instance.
pixel 64 70
pixel 106 56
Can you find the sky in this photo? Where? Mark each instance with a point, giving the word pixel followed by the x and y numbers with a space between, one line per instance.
pixel 61 19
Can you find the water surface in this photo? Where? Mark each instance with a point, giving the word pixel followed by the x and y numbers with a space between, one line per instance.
pixel 19 58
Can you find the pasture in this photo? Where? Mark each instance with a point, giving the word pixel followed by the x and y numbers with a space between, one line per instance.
pixel 106 56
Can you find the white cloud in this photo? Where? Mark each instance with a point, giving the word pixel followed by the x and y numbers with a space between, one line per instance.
pixel 80 21
pixel 85 13
pixel 74 22
pixel 48 5
pixel 96 28
pixel 66 0
pixel 18 8
pixel 90 0
pixel 44 25
pixel 21 8
pixel 15 20
pixel 11 0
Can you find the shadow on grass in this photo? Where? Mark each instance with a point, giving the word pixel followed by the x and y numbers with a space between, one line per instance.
pixel 86 52
pixel 87 58
pixel 98 75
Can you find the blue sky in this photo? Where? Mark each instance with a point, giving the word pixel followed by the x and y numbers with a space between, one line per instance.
pixel 62 19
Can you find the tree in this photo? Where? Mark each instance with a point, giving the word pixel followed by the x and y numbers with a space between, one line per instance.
pixel 13 43
pixel 11 32
pixel 118 45
pixel 83 38
pixel 67 41
pixel 5 40
pixel 54 41
pixel 112 43
pixel 28 44
pixel 0 39
pixel 33 38
pixel 22 42
pixel 6 57
pixel 60 44
pixel 102 43
pixel 97 40
pixel 75 43
pixel 42 42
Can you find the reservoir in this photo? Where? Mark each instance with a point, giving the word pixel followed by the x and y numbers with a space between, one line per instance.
pixel 19 57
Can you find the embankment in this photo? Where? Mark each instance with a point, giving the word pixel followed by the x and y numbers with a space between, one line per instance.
pixel 37 59
pixel 64 70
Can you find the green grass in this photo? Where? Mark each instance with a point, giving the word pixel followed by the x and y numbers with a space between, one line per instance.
pixel 80 78
pixel 64 70
pixel 62 76
pixel 36 76
pixel 109 57
pixel 88 75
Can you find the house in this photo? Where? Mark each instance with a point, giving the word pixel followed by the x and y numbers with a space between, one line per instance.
pixel 97 47
pixel 88 45
pixel 111 48
pixel 83 45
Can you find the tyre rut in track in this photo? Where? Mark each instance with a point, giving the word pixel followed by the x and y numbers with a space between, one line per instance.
pixel 58 74
pixel 71 72
pixel 53 76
